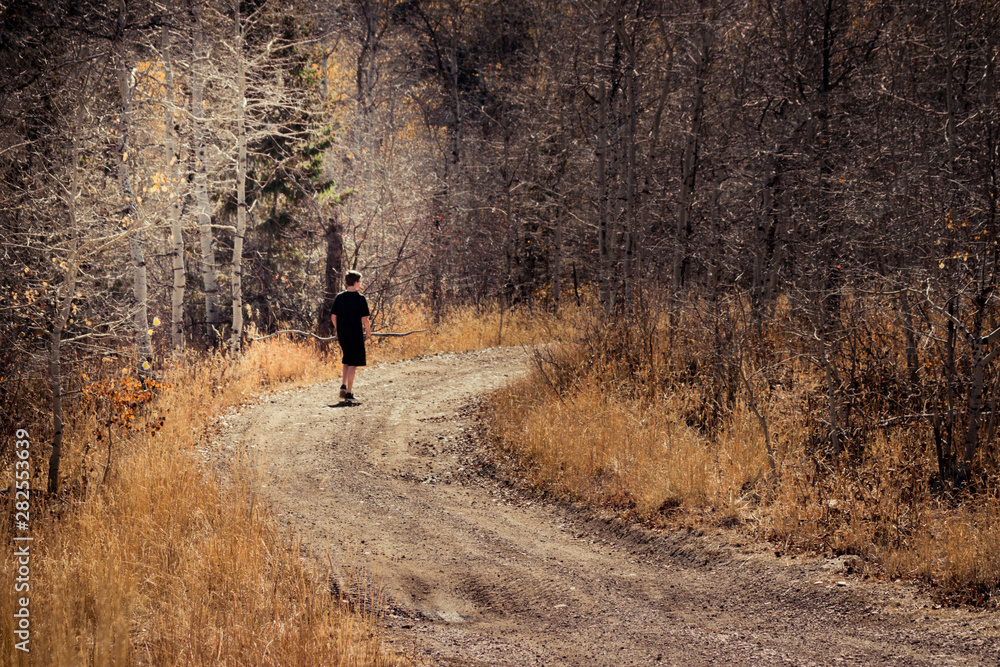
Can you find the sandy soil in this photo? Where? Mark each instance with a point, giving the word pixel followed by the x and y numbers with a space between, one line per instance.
pixel 478 574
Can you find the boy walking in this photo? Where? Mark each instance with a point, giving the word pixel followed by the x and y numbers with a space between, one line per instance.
pixel 352 327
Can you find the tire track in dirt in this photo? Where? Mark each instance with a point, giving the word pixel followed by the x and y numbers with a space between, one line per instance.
pixel 478 575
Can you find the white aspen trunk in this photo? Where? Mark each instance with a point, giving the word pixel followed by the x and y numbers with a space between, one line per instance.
pixel 173 177
pixel 241 199
pixel 139 281
pixel 141 319
pixel 203 210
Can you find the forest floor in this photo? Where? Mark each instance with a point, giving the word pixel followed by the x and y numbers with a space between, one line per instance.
pixel 475 572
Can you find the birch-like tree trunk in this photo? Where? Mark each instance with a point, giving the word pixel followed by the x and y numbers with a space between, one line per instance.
pixel 173 174
pixel 241 193
pixel 132 216
pixel 203 209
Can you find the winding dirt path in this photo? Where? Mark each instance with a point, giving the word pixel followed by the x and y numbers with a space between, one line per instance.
pixel 478 575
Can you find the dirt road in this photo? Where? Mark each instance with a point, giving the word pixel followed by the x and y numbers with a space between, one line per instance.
pixel 478 575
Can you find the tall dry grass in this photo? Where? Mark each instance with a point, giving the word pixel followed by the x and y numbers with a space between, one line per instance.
pixel 597 443
pixel 165 561
pixel 160 552
pixel 663 418
pixel 465 328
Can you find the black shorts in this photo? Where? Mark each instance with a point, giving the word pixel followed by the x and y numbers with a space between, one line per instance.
pixel 354 351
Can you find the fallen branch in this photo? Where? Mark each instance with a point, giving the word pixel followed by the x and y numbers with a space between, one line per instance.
pixel 393 334
pixel 381 334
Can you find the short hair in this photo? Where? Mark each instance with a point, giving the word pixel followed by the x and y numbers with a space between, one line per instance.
pixel 352 277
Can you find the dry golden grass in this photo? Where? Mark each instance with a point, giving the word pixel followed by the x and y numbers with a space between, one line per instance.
pixel 173 557
pixel 468 328
pixel 632 419
pixel 169 562
pixel 172 561
pixel 627 453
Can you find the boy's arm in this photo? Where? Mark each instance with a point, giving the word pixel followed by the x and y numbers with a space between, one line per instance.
pixel 368 326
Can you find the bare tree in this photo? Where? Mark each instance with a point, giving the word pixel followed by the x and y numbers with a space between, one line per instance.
pixel 199 171
pixel 241 192
pixel 171 159
pixel 130 205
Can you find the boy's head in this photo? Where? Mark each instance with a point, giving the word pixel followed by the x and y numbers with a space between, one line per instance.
pixel 352 278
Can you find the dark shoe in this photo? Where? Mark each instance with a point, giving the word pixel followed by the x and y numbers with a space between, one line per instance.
pixel 349 397
pixel 343 391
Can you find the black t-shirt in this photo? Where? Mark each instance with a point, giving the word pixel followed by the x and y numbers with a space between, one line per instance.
pixel 350 307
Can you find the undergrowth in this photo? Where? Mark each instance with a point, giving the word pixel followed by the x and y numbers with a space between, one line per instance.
pixel 469 328
pixel 150 557
pixel 701 414
pixel 158 553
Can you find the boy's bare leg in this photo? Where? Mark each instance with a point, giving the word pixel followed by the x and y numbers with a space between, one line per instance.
pixel 346 380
